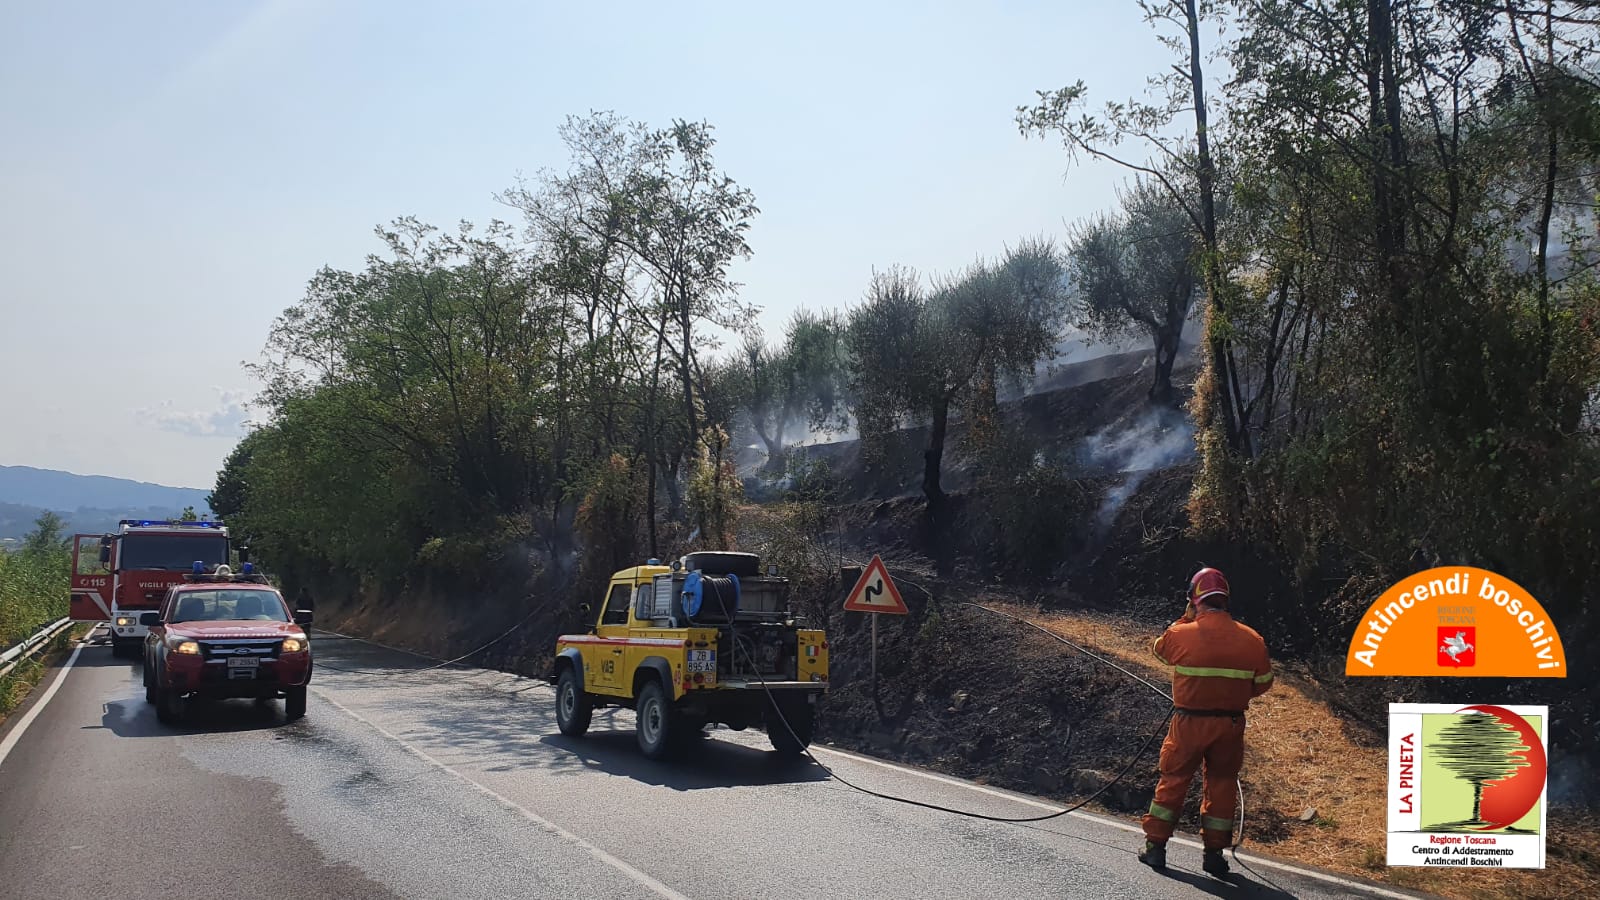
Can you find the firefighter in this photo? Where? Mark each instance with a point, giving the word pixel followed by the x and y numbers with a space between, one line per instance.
pixel 1218 666
pixel 303 600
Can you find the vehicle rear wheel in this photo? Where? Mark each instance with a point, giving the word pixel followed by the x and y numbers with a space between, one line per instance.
pixel 801 718
pixel 294 703
pixel 657 721
pixel 574 710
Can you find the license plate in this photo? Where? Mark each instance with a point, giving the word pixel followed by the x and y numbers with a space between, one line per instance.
pixel 702 661
pixel 243 662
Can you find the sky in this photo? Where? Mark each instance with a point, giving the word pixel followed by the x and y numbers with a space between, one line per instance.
pixel 172 174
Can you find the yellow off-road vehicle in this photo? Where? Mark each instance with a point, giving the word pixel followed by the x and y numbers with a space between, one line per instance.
pixel 708 639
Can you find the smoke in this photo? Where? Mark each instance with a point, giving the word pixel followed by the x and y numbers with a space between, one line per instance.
pixel 814 436
pixel 1159 439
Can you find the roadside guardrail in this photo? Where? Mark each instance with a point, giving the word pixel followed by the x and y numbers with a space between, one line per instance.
pixel 31 645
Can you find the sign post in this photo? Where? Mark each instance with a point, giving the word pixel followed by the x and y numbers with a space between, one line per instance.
pixel 875 593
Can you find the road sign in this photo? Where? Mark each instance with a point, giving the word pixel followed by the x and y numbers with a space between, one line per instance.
pixel 875 592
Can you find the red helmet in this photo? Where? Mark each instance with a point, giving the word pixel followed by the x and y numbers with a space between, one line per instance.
pixel 1207 582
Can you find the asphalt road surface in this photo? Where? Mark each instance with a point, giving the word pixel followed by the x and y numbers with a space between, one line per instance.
pixel 404 782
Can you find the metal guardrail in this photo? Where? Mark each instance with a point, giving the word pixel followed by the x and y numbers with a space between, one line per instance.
pixel 31 645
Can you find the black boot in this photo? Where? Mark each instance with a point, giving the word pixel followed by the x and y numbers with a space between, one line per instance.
pixel 1214 863
pixel 1155 855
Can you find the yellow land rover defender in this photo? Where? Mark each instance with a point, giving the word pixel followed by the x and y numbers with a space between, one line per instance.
pixel 707 639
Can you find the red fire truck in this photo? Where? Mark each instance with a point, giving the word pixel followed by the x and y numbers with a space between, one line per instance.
pixel 137 565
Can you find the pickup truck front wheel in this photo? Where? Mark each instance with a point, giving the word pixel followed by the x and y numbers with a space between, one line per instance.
pixel 573 708
pixel 294 703
pixel 657 721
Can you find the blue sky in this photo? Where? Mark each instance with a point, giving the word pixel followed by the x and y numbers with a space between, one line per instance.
pixel 171 174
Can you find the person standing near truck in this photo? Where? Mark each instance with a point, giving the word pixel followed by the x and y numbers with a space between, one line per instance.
pixel 1218 666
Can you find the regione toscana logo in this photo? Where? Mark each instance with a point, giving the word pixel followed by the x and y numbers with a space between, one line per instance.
pixel 1457 621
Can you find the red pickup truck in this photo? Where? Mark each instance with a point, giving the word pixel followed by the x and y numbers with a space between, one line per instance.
pixel 221 636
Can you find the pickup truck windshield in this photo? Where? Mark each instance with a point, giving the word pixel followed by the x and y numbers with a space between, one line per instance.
pixel 229 606
pixel 172 551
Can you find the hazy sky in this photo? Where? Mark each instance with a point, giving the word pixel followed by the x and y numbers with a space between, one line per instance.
pixel 171 174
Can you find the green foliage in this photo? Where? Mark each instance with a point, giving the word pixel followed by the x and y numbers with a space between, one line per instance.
pixel 34 582
pixel 809 480
pixel 608 519
pixel 1025 512
pixel 46 536
pixel 459 398
pixel 715 491
pixel 1417 373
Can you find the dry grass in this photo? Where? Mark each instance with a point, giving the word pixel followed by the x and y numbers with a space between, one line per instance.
pixel 1301 755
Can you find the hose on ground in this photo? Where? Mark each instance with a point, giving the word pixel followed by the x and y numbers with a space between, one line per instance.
pixel 1132 760
pixel 439 665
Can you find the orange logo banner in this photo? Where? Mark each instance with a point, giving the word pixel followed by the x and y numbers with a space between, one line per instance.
pixel 1457 621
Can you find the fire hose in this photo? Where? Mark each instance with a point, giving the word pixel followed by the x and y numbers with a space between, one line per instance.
pixel 1132 761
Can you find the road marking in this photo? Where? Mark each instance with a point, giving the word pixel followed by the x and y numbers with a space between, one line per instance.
pixel 33 711
pixel 1252 859
pixel 1113 823
pixel 641 878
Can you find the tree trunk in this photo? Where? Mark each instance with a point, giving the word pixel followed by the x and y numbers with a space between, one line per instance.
pixel 933 457
pixel 774 453
pixel 650 504
pixel 1477 800
pixel 1221 356
pixel 686 364
pixel 1161 393
pixel 774 443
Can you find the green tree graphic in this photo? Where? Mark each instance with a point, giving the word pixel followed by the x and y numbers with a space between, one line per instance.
pixel 1479 748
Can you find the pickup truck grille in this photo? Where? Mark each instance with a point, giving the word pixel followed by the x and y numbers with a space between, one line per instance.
pixel 261 649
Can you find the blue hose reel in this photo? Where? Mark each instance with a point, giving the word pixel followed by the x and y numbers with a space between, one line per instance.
pixel 716 596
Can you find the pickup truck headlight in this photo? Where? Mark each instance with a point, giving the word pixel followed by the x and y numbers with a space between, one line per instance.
pixel 293 645
pixel 188 648
pixel 124 621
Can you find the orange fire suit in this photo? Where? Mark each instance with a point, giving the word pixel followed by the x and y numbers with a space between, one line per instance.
pixel 1218 665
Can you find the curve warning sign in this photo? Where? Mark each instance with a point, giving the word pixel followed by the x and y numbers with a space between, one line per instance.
pixel 875 592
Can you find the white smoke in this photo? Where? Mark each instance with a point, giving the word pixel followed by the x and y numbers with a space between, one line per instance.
pixel 1159 439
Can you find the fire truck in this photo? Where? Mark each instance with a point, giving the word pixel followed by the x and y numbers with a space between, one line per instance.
pixel 138 564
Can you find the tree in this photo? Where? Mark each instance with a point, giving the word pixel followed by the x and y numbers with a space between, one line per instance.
pixel 640 233
pixel 1479 748
pixel 188 515
pixel 921 355
pixel 1177 91
pixel 795 384
pixel 1137 269
pixel 46 536
pixel 227 498
pixel 1394 220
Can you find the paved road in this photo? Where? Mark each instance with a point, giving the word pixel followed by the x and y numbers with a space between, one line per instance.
pixel 455 783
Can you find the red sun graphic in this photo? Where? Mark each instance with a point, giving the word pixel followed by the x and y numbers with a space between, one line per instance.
pixel 1509 799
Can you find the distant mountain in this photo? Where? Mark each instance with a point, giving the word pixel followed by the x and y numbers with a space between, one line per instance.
pixel 88 503
pixel 64 491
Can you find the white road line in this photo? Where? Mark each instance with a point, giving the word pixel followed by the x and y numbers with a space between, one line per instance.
pixel 33 711
pixel 1250 858
pixel 641 878
pixel 1113 823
